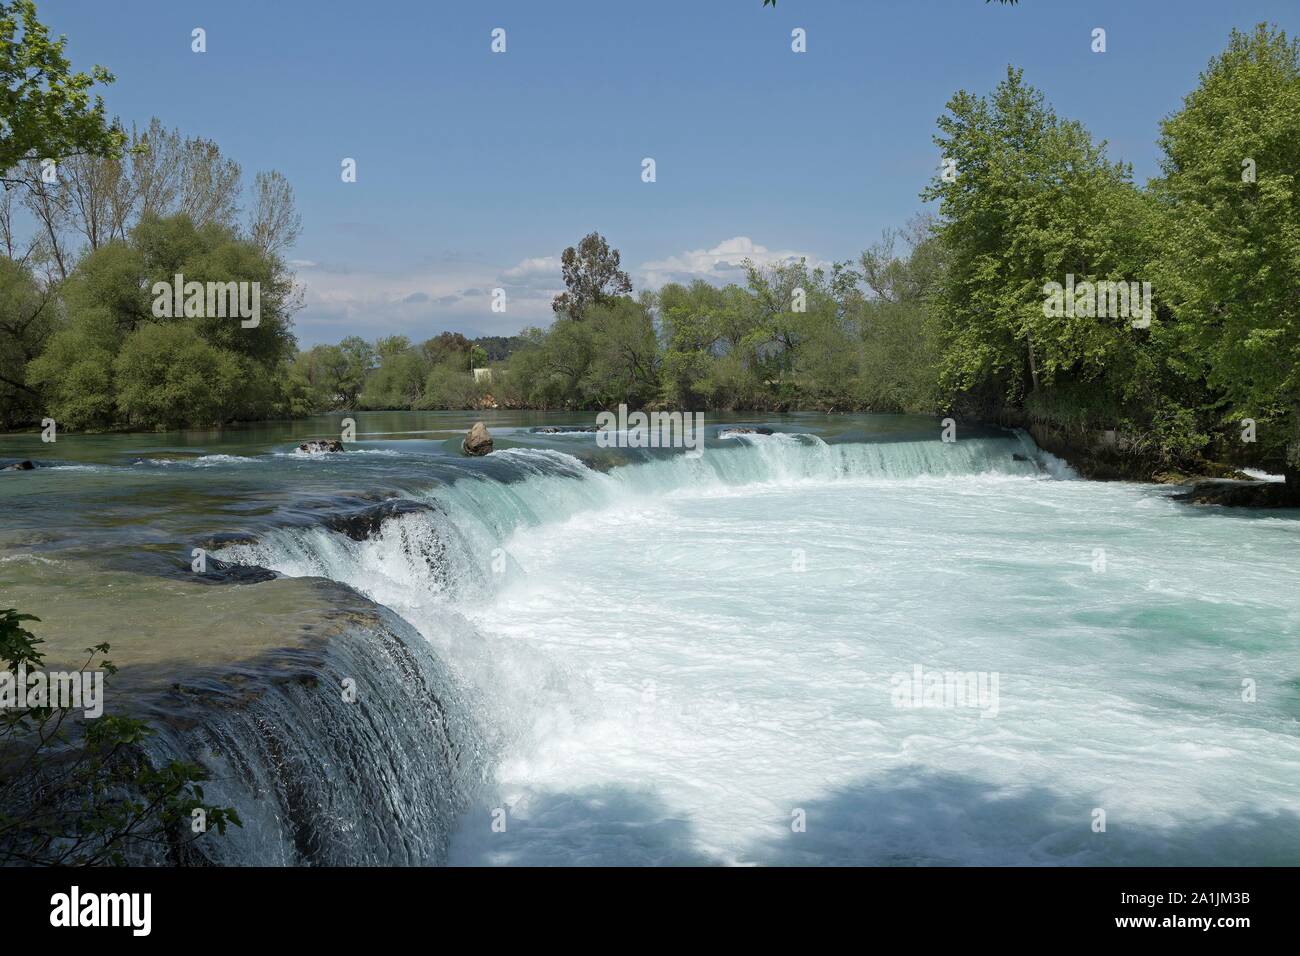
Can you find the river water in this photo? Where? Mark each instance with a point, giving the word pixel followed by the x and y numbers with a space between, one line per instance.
pixel 844 642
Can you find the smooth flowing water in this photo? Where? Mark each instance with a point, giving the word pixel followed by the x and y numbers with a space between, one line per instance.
pixel 732 659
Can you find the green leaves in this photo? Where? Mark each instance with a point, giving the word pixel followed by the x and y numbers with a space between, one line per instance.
pixel 46 110
pixel 1230 235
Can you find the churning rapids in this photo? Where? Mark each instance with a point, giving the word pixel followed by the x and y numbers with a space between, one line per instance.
pixel 568 657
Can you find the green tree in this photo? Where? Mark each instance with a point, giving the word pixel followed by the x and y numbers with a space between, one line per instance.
pixel 1230 262
pixel 591 275
pixel 47 111
pixel 624 364
pixel 170 376
pixel 449 385
pixel 27 319
pixel 399 379
pixel 1031 200
pixel 109 298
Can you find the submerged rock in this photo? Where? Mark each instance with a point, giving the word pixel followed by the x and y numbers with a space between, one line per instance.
pixel 321 446
pixel 562 429
pixel 19 466
pixel 227 572
pixel 1016 456
pixel 477 441
pixel 744 430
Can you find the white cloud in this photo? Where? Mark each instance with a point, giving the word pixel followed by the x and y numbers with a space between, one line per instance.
pixel 450 294
pixel 722 264
pixel 538 266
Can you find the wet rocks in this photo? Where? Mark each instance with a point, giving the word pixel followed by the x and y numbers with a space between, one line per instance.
pixel 360 525
pixel 562 429
pixel 25 465
pixel 744 430
pixel 321 446
pixel 478 441
pixel 1241 494
pixel 227 572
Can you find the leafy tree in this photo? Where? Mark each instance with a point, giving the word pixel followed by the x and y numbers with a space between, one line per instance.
pixel 1230 265
pixel 27 319
pixel 691 325
pixel 399 380
pixel 591 275
pixel 624 365
pixel 1034 199
pixel 109 298
pixel 47 111
pixel 93 797
pixel 170 376
pixel 447 345
pixel 498 347
pixel 449 385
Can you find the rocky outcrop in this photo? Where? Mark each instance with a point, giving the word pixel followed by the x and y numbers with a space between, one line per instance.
pixel 19 466
pixel 1241 494
pixel 478 441
pixel 328 723
pixel 360 525
pixel 226 572
pixel 321 446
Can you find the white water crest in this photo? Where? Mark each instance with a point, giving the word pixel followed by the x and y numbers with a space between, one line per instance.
pixel 690 661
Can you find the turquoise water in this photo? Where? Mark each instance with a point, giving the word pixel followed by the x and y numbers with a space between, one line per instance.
pixel 712 661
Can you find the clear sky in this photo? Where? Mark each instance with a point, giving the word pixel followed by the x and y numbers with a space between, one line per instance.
pixel 475 169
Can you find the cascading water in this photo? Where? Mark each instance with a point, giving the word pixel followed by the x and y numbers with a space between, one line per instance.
pixel 668 659
pixel 354 748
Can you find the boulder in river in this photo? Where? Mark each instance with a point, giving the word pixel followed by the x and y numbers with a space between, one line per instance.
pixel 227 572
pixel 1240 494
pixel 362 524
pixel 19 466
pixel 477 441
pixel 321 446
pixel 744 430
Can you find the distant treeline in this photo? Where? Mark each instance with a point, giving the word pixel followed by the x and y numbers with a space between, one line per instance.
pixel 394 373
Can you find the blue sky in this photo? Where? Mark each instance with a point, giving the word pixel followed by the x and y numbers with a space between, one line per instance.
pixel 475 170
